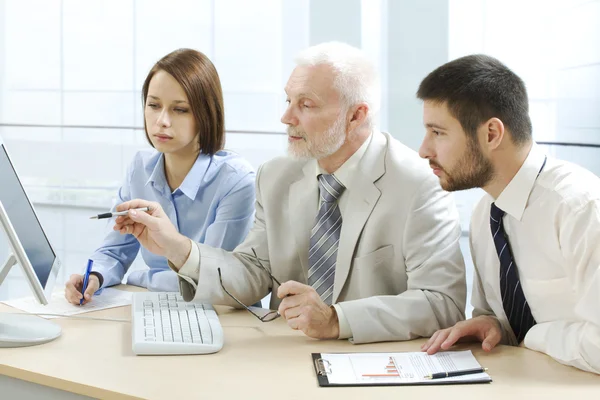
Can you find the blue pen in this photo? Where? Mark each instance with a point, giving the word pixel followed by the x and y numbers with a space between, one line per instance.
pixel 86 279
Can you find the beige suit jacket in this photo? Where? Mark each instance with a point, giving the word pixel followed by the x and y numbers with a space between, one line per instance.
pixel 399 274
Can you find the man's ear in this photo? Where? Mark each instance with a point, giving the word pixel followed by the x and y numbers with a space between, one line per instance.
pixel 357 116
pixel 494 133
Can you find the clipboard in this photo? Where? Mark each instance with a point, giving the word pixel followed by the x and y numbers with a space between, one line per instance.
pixel 325 365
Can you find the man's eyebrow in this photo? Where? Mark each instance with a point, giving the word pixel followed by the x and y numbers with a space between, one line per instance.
pixel 435 126
pixel 310 95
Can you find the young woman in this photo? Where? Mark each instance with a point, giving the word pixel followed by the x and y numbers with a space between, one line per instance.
pixel 207 192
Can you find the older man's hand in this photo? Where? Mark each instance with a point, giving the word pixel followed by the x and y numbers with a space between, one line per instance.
pixel 304 310
pixel 154 230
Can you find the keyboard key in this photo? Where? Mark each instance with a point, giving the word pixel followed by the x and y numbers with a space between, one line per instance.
pixel 205 331
pixel 174 318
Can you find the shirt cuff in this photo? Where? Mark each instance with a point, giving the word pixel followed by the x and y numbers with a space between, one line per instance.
pixel 191 267
pixel 535 339
pixel 345 330
pixel 189 273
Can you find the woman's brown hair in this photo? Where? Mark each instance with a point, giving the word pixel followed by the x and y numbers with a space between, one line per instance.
pixel 200 81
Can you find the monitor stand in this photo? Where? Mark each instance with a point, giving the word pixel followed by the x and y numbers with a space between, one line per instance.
pixel 18 330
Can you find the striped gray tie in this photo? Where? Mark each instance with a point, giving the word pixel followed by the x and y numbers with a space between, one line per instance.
pixel 324 238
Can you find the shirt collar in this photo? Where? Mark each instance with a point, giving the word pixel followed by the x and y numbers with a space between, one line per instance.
pixel 193 179
pixel 157 177
pixel 513 198
pixel 345 172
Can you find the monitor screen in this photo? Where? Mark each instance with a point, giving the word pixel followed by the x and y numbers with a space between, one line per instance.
pixel 24 220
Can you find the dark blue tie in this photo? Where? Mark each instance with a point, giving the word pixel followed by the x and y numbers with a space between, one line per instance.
pixel 513 299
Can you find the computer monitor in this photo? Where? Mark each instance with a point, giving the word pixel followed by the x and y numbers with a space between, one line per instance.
pixel 32 250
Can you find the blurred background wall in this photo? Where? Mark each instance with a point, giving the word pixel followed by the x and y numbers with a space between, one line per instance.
pixel 71 72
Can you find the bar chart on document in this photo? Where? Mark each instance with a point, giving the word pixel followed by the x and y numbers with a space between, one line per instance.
pixel 401 366
pixel 380 369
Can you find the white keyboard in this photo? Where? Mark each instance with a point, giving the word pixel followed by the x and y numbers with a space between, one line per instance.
pixel 162 323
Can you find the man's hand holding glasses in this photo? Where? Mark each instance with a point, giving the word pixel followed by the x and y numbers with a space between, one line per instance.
pixel 301 307
pixel 305 311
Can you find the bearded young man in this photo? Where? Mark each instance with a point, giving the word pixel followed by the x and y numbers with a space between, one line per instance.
pixel 361 235
pixel 535 236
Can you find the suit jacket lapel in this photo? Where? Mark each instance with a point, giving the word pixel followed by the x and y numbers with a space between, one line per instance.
pixel 303 207
pixel 361 201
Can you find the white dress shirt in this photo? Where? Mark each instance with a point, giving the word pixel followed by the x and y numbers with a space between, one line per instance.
pixel 553 227
pixel 344 174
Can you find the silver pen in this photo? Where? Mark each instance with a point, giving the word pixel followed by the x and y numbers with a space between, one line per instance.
pixel 119 213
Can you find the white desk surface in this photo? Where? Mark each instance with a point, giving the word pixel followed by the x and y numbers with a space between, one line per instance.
pixel 260 361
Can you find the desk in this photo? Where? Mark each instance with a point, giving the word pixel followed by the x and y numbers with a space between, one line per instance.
pixel 260 361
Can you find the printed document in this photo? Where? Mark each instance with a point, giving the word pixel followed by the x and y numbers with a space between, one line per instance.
pixel 109 298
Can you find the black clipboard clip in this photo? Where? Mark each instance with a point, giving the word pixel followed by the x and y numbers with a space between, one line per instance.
pixel 323 367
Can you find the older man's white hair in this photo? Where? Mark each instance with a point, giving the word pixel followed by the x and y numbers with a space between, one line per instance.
pixel 356 79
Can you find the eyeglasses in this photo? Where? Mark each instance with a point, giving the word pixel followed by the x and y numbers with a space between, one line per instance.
pixel 262 314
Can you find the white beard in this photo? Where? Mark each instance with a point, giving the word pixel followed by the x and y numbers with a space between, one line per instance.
pixel 323 145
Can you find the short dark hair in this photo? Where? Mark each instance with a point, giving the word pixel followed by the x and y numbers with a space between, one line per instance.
pixel 476 88
pixel 200 81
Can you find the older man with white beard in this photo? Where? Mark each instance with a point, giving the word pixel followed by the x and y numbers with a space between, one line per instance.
pixel 352 234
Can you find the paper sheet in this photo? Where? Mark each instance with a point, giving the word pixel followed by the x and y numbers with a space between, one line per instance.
pixel 109 298
pixel 382 368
